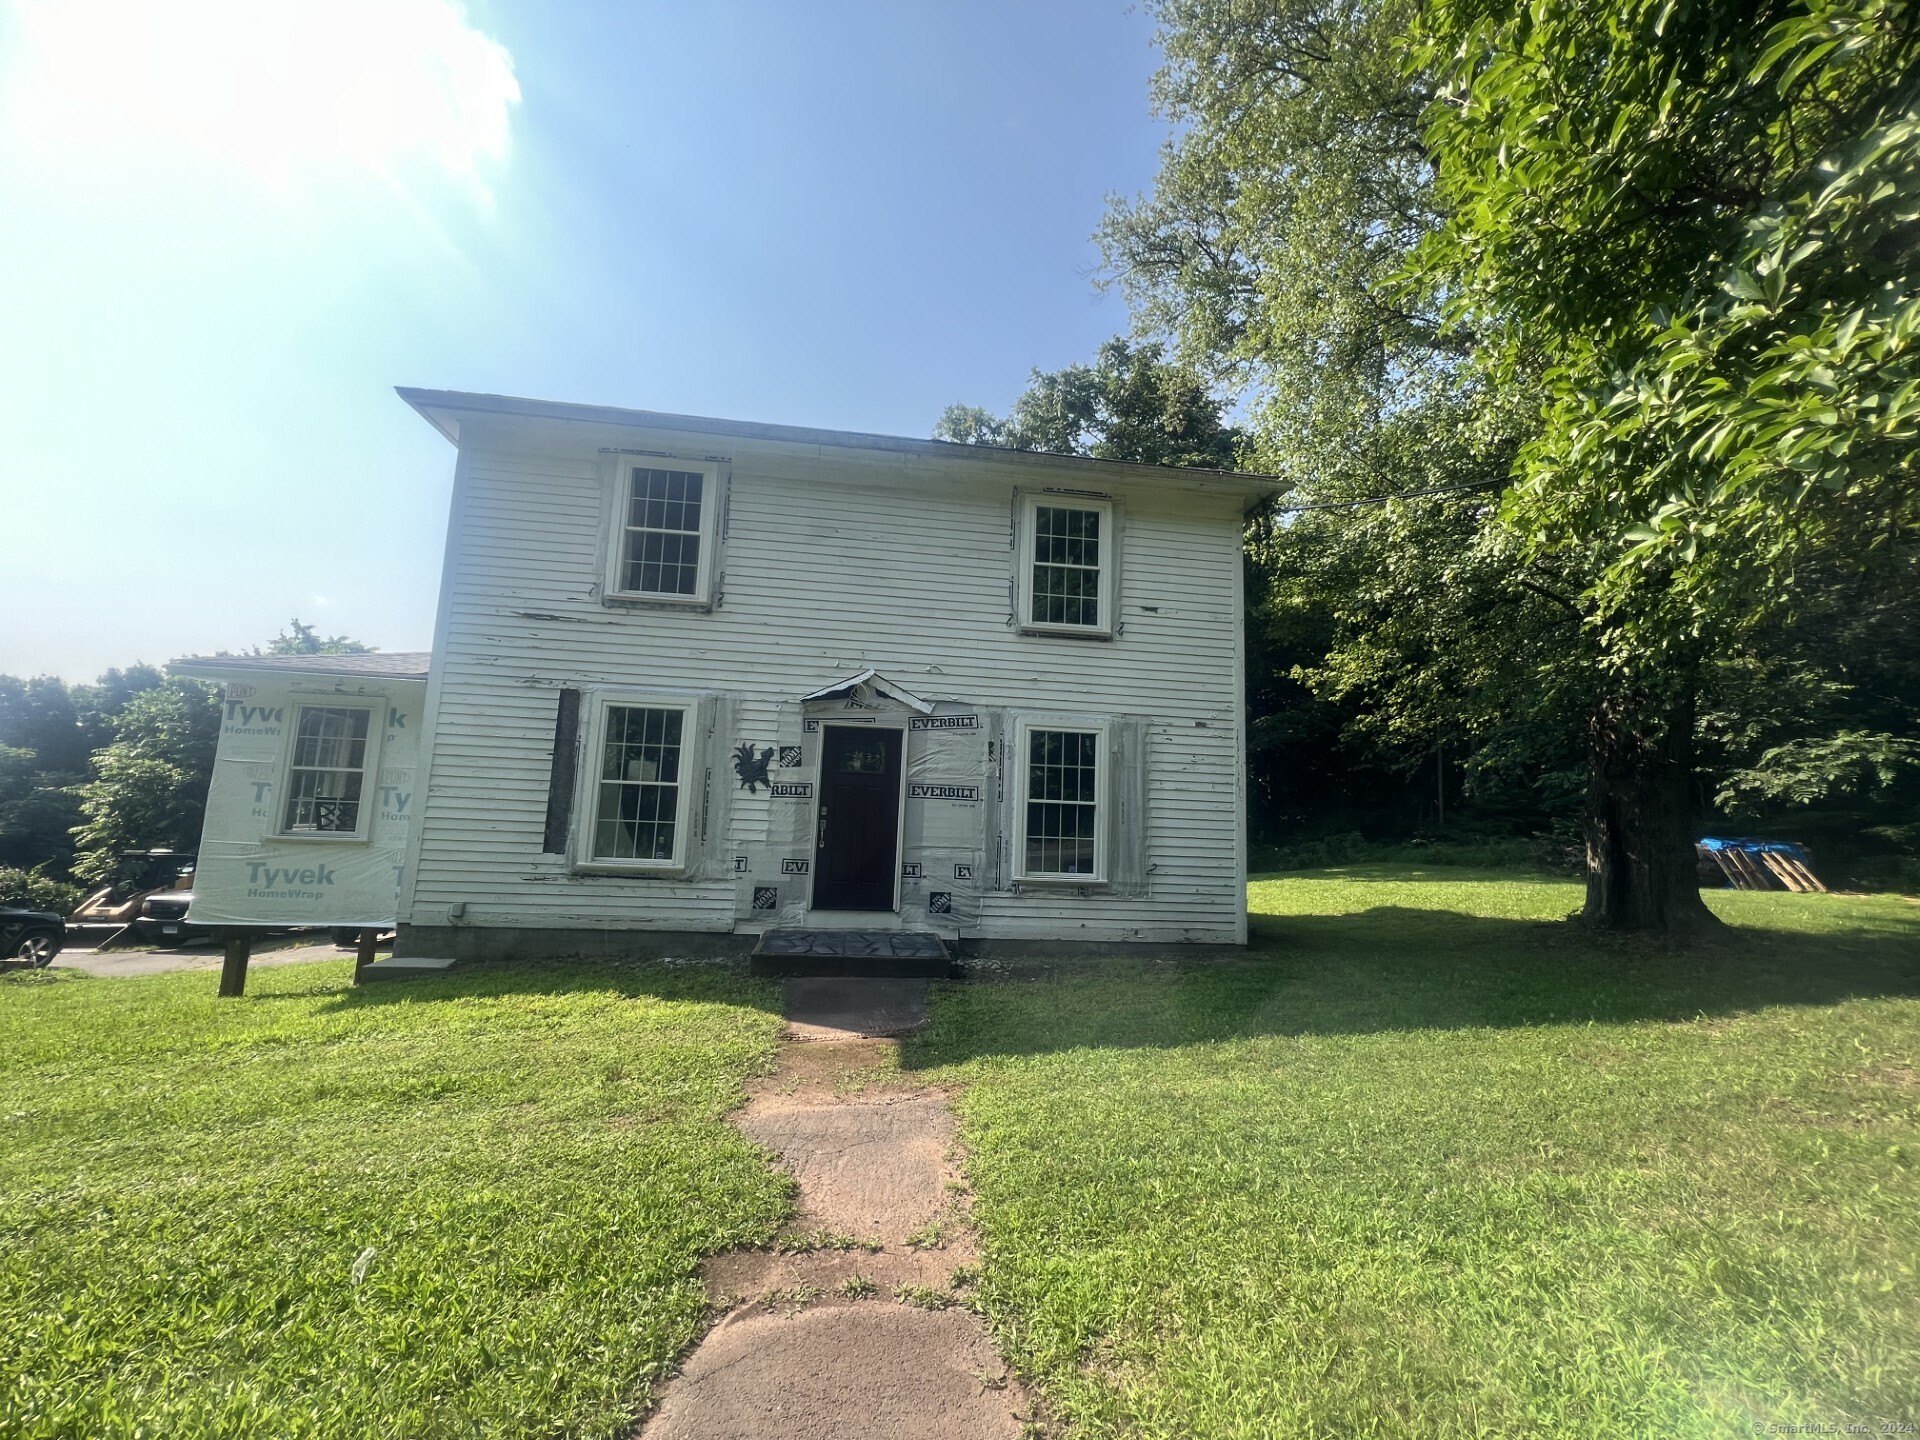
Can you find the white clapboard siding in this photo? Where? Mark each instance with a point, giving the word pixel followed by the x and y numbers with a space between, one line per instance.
pixel 833 559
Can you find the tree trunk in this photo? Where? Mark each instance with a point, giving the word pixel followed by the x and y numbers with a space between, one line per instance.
pixel 1640 857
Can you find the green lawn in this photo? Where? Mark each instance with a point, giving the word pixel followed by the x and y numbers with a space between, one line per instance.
pixel 1426 1164
pixel 463 1207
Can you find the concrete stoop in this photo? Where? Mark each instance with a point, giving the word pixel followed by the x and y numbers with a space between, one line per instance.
pixel 862 954
pixel 849 1331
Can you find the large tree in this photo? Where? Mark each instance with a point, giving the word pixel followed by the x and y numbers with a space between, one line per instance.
pixel 1699 223
pixel 1428 268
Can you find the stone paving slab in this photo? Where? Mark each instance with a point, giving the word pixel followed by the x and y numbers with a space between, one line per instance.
pixel 865 1168
pixel 872 1371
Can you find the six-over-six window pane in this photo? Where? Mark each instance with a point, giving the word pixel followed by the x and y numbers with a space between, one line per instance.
pixel 1063 805
pixel 639 789
pixel 328 769
pixel 1066 566
pixel 661 554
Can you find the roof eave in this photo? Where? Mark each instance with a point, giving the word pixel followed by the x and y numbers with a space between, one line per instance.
pixel 441 409
pixel 213 667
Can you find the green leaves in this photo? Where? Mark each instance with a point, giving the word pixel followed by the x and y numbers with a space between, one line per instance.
pixel 1130 404
pixel 149 787
pixel 1727 290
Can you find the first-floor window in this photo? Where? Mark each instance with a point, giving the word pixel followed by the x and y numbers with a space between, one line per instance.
pixel 328 769
pixel 1062 799
pixel 638 810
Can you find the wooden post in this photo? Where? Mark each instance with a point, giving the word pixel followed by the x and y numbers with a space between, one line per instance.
pixel 233 973
pixel 364 957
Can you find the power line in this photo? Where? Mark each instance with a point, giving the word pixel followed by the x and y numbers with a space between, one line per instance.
pixel 1383 499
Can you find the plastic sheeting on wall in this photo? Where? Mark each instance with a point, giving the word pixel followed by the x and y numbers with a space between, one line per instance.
pixel 249 872
pixel 945 815
pixel 958 812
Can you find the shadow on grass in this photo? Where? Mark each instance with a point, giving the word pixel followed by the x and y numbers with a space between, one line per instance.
pixel 1403 969
pixel 702 982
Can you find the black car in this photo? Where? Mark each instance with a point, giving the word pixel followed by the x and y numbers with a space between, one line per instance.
pixel 35 936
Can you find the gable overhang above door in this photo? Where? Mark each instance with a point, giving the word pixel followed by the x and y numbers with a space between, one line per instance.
pixel 873 683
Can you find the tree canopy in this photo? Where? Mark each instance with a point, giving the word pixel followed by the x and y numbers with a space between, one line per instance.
pixel 1631 283
pixel 303 639
pixel 1130 404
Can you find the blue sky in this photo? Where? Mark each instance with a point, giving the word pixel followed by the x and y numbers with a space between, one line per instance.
pixel 227 236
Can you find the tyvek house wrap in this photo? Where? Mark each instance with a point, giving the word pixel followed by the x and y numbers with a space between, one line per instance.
pixel 248 872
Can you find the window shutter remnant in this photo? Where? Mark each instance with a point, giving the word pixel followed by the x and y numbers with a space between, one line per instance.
pixel 1127 864
pixel 566 749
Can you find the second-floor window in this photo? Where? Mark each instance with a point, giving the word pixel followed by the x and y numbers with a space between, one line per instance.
pixel 663 531
pixel 1066 574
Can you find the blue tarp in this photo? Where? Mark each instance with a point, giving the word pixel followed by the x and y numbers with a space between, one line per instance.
pixel 1789 848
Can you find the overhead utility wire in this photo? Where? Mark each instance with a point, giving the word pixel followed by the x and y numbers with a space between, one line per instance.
pixel 1382 499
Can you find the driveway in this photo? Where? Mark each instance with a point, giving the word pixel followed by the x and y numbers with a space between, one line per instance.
pixel 202 955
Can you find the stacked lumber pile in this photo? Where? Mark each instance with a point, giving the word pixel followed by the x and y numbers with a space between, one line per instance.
pixel 1763 864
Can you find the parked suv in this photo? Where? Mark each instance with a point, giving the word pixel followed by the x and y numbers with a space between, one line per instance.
pixel 35 936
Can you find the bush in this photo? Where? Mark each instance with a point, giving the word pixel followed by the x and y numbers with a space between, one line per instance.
pixel 1898 873
pixel 37 892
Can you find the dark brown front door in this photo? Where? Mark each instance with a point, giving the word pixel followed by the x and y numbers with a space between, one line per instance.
pixel 857 847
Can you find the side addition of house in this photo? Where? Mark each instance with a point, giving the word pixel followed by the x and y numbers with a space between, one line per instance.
pixel 313 788
pixel 699 678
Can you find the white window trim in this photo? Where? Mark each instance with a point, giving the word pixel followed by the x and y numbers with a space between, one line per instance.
pixel 1103 799
pixel 619 493
pixel 586 799
pixel 1031 501
pixel 379 714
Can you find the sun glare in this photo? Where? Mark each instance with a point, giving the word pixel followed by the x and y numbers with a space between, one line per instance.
pixel 288 94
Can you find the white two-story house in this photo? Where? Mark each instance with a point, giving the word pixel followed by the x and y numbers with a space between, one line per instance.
pixel 696 679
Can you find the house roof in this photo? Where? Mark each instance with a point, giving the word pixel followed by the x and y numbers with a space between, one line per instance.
pixel 382 664
pixel 443 409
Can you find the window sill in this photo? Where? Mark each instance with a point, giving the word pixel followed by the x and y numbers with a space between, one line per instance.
pixel 630 872
pixel 321 837
pixel 628 600
pixel 1065 632
pixel 1062 882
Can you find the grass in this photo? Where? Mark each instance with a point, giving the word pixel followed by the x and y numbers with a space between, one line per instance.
pixel 464 1206
pixel 1430 1164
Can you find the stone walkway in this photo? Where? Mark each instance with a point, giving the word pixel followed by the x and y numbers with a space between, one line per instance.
pixel 854 1329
